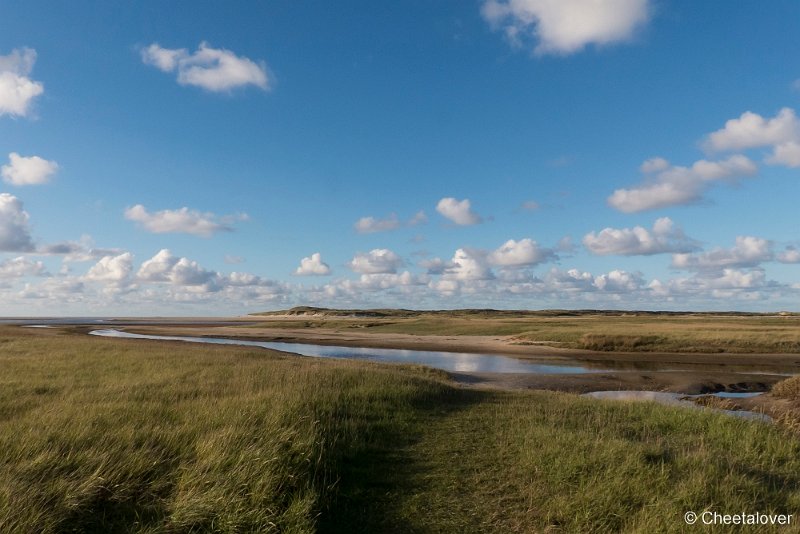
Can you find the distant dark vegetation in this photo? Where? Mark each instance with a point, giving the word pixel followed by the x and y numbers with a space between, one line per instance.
pixel 492 313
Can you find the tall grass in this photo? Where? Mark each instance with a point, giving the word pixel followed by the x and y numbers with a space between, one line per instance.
pixel 102 436
pixel 108 435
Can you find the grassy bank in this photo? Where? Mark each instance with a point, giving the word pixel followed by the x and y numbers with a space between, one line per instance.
pixel 606 331
pixel 101 435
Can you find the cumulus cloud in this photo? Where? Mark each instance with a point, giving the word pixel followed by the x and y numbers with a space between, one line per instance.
pixel 669 185
pixel 180 271
pixel 57 290
pixel 14 228
pixel 377 261
pixel 566 26
pixel 747 252
pixel 386 283
pixel 458 211
pixel 663 238
pixel 789 255
pixel 21 266
pixel 313 265
pixel 17 90
pixel 724 284
pixel 524 252
pixel 751 130
pixel 31 170
pixel 113 269
pixel 183 221
pixel 469 264
pixel 213 69
pixel 618 281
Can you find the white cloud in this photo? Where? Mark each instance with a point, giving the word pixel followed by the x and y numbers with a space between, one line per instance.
pixel 31 170
pixel 113 269
pixel 213 69
pixel 469 264
pixel 377 261
pixel 566 26
pixel 725 284
pixel 751 130
pixel 157 268
pixel 458 211
pixel 14 228
pixel 17 91
pixel 187 281
pixel 530 205
pixel 19 267
pixel 618 281
pixel 386 283
pixel 747 252
pixel 313 265
pixel 55 290
pixel 668 185
pixel 164 267
pixel 664 237
pixel 787 154
pixel 789 255
pixel 371 225
pixel 520 253
pixel 182 220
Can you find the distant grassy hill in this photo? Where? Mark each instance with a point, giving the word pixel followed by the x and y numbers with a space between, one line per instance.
pixel 302 311
pixel 604 330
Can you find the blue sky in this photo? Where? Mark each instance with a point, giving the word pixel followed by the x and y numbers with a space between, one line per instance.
pixel 176 158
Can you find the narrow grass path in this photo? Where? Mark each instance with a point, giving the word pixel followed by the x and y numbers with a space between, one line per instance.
pixel 545 462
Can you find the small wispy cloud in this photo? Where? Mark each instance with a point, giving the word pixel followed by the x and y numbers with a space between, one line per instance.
pixel 183 221
pixel 213 69
pixel 372 225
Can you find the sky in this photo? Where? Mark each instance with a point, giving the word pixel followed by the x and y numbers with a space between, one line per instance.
pixel 190 158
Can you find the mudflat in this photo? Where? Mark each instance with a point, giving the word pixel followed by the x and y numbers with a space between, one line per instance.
pixel 653 370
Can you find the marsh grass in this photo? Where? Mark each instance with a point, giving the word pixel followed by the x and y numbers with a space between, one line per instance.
pixel 788 389
pixel 109 435
pixel 646 332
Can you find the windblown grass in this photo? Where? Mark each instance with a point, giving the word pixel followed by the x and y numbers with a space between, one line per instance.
pixel 788 389
pixel 109 435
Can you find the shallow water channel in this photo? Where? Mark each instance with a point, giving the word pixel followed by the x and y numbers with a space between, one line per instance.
pixel 464 362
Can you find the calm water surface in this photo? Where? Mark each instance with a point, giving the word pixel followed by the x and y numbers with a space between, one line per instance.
pixel 448 361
